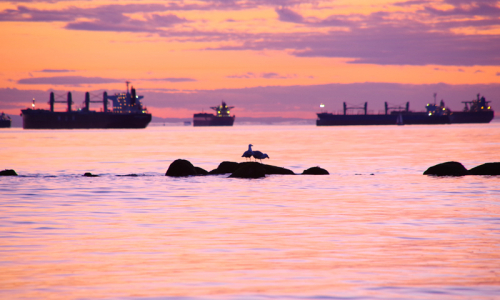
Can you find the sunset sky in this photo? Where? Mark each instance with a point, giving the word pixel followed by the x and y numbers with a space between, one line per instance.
pixel 266 58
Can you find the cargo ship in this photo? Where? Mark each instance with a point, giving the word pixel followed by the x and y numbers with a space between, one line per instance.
pixel 475 111
pixel 127 112
pixel 434 114
pixel 5 121
pixel 221 118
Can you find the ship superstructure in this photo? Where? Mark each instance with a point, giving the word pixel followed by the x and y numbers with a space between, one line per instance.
pixel 475 111
pixel 127 103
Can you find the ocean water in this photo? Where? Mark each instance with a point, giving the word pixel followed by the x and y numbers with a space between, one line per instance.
pixel 375 228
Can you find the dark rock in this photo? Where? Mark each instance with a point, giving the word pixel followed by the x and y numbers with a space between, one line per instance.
pixel 128 175
pixel 181 168
pixel 486 169
pixel 316 171
pixel 249 170
pixel 201 171
pixel 451 168
pixel 88 174
pixel 273 170
pixel 9 172
pixel 225 167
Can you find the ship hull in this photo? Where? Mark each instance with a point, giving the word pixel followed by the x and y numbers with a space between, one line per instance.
pixel 204 119
pixel 5 123
pixel 45 119
pixel 472 117
pixel 423 118
pixel 328 119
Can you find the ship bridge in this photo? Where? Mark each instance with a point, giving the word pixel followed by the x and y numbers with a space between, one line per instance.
pixel 128 102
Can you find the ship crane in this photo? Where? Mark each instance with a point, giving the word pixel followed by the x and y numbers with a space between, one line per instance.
pixel 397 108
pixel 104 101
pixel 365 108
pixel 69 100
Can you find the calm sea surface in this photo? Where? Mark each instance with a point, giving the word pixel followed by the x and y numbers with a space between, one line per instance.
pixel 375 228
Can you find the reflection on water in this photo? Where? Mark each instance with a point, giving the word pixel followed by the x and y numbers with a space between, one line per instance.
pixel 395 234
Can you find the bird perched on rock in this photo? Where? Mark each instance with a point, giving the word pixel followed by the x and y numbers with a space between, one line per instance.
pixel 248 153
pixel 259 155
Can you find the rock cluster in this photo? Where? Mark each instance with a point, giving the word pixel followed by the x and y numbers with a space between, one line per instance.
pixel 182 167
pixel 453 168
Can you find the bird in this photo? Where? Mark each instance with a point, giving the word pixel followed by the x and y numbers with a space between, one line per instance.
pixel 248 153
pixel 259 155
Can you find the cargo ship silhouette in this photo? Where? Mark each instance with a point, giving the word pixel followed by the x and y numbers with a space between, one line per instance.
pixel 5 121
pixel 476 111
pixel 221 118
pixel 127 112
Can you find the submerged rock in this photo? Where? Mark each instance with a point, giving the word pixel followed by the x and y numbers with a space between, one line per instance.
pixel 128 175
pixel 181 168
pixel 249 170
pixel 316 171
pixel 486 169
pixel 88 174
pixel 8 172
pixel 450 168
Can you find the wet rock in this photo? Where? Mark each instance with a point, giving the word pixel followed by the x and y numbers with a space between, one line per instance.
pixel 316 171
pixel 88 174
pixel 8 172
pixel 249 170
pixel 128 175
pixel 200 171
pixel 225 167
pixel 450 168
pixel 486 169
pixel 181 168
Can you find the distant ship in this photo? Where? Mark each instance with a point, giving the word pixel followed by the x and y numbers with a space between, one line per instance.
pixel 475 111
pixel 5 121
pixel 127 112
pixel 222 118
pixel 434 114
